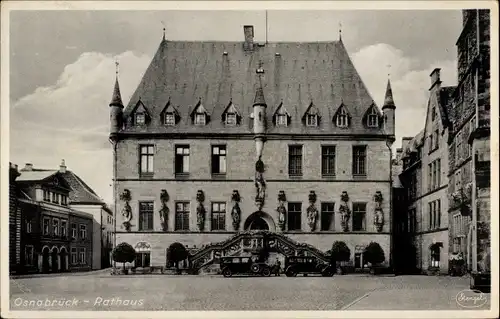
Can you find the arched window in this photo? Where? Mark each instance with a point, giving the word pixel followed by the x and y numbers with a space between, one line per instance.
pixel 435 255
pixel 342 118
pixel 143 254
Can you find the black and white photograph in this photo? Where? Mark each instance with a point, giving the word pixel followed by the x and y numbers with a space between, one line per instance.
pixel 254 159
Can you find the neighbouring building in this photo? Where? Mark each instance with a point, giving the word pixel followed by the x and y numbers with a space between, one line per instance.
pixel 50 230
pixel 469 146
pixel 222 139
pixel 14 221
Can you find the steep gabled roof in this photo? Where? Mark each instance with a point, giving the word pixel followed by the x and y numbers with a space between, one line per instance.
pixel 445 100
pixel 339 108
pixel 80 193
pixel 311 110
pixel 295 73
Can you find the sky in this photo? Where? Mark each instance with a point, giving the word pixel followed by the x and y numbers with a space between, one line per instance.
pixel 62 68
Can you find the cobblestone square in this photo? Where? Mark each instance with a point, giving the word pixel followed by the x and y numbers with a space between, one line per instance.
pixel 156 292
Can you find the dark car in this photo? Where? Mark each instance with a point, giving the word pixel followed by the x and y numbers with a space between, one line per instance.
pixel 243 265
pixel 307 265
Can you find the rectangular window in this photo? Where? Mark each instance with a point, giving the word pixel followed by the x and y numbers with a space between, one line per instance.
pixel 54 198
pixel 327 216
pixel 312 120
pixel 218 216
pixel 458 148
pixel 295 160
pixel 55 227
pixel 143 259
pixel 73 230
pixel 64 200
pixel 294 216
pixel 82 257
pixel 438 165
pixel 429 177
pixel 145 215
pixel 83 231
pixel 231 119
pixel 433 113
pixel 46 226
pixel 169 119
pixel 29 226
pixel 182 216
pixel 438 212
pixel 281 120
pixel 199 119
pixel 140 118
pixel 182 159
pixel 46 196
pixel 147 154
pixel 29 252
pixel 431 142
pixel 430 215
pixel 434 175
pixel 219 159
pixel 328 160
pixel 436 139
pixel 64 225
pixel 359 216
pixel 372 120
pixel 359 160
pixel 74 256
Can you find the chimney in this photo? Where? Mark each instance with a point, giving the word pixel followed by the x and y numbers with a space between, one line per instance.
pixel 62 167
pixel 248 31
pixel 28 167
pixel 435 77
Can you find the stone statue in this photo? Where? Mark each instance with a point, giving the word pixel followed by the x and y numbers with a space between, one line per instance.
pixel 164 210
pixel 260 183
pixel 312 211
pixel 345 212
pixel 200 210
pixel 127 210
pixel 378 213
pixel 281 210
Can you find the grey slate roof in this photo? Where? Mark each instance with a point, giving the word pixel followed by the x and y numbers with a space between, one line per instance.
pixel 445 99
pixel 295 74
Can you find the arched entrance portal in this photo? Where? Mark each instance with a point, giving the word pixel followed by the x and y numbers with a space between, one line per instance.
pixel 260 221
pixel 45 259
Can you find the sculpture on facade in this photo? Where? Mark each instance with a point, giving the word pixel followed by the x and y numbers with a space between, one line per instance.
pixel 312 211
pixel 379 213
pixel 164 209
pixel 344 211
pixel 236 211
pixel 126 197
pixel 281 210
pixel 260 183
pixel 200 210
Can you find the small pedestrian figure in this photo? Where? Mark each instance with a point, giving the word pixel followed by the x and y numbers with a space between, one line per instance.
pixel 277 268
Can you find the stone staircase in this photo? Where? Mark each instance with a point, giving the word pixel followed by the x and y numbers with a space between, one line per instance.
pixel 206 259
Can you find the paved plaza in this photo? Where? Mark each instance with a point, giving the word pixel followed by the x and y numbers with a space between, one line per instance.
pixel 162 292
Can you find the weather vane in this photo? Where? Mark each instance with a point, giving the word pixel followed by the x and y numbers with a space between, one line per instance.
pixel 163 23
pixel 388 70
pixel 340 30
pixel 117 64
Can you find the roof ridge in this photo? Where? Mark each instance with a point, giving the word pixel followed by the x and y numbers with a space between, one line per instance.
pixel 85 186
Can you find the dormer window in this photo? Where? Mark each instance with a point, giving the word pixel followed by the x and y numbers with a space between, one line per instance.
pixel 140 118
pixel 200 119
pixel 281 120
pixel 373 118
pixel 231 119
pixel 312 120
pixel 170 119
pixel 342 118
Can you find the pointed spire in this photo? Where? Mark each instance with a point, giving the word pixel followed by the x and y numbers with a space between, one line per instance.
pixel 116 99
pixel 340 31
pixel 259 93
pixel 388 100
pixel 163 23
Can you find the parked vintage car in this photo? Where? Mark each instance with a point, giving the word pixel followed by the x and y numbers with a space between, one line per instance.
pixel 243 265
pixel 307 265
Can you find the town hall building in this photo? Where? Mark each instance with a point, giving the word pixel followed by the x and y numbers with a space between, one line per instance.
pixel 225 139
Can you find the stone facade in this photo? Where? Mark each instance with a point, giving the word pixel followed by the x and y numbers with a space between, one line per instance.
pixel 14 221
pixel 257 161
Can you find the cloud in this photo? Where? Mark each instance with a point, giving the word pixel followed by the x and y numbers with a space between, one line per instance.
pixel 70 119
pixel 410 86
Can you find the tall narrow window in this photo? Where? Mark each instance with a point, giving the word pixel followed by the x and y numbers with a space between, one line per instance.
pixel 64 226
pixel 230 119
pixel 46 196
pixel 373 118
pixel 359 161
pixel 438 212
pixel 46 226
pixel 435 257
pixel 359 216
pixel 431 221
pixel 429 177
pixel 436 139
pixel 431 142
pixel 218 216
pixel 74 256
pixel 181 216
pixel 55 227
pixel 438 173
pixel 83 231
pixel 82 256
pixel 145 215
pixel 294 216
pixel 328 160
pixel 73 231
pixel 295 160
pixel 327 216
pixel 54 197
pixel 147 154
pixel 433 113
pixel 434 175
pixel 29 226
pixel 182 159
pixel 29 253
pixel 458 148
pixel 219 159
pixel 342 118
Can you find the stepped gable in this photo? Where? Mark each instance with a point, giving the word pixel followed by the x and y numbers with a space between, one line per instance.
pixel 219 72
